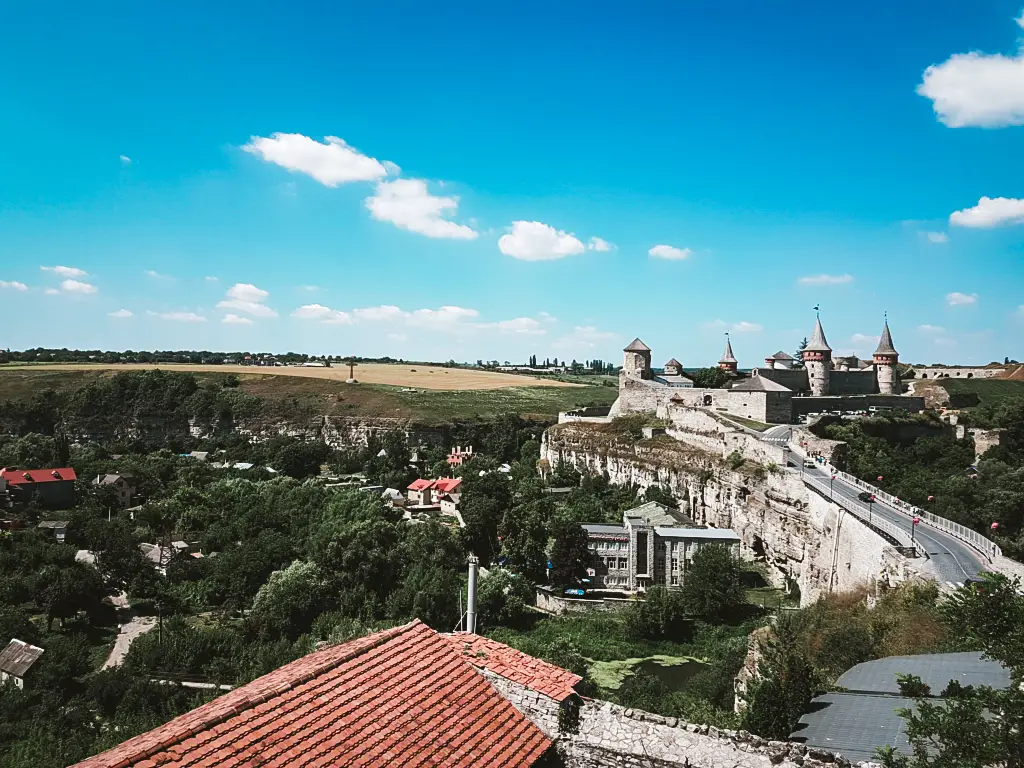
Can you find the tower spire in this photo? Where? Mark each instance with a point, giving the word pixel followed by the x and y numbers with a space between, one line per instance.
pixel 817 342
pixel 728 360
pixel 885 346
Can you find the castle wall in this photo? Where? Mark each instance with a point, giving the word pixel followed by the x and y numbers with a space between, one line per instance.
pixel 804 405
pixel 957 373
pixel 862 382
pixel 794 379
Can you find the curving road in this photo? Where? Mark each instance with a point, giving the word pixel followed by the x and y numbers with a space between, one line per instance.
pixel 950 561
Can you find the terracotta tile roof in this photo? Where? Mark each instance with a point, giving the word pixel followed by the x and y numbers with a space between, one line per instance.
pixel 24 476
pixel 420 485
pixel 447 484
pixel 515 665
pixel 400 697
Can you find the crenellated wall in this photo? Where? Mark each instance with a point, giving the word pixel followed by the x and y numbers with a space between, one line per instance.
pixel 802 537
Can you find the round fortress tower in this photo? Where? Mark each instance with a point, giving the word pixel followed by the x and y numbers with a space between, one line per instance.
pixel 728 361
pixel 636 363
pixel 886 357
pixel 817 357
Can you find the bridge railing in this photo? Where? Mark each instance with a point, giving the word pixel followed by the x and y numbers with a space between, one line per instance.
pixel 901 536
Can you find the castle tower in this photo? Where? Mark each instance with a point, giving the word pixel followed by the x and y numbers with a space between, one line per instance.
pixel 673 368
pixel 637 361
pixel 817 357
pixel 886 358
pixel 728 361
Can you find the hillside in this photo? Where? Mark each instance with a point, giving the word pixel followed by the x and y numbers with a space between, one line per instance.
pixel 322 396
pixel 968 393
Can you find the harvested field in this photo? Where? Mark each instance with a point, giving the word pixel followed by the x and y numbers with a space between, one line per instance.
pixel 415 376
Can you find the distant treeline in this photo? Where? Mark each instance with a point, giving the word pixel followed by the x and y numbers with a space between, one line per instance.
pixel 194 357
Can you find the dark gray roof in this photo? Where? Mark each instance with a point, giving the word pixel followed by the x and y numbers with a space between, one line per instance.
pixel 818 342
pixel 603 529
pixel 760 384
pixel 853 725
pixel 674 362
pixel 780 355
pixel 885 346
pixel 53 524
pixel 637 346
pixel 712 534
pixel 728 356
pixel 935 669
pixel 863 717
pixel 18 656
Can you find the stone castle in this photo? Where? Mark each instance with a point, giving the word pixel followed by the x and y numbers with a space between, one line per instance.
pixel 778 393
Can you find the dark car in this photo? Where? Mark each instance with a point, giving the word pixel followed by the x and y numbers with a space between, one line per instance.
pixel 865 496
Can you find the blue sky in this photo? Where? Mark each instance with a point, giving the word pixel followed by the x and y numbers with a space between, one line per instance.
pixel 510 179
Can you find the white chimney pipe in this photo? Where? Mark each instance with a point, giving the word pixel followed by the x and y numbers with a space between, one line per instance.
pixel 471 602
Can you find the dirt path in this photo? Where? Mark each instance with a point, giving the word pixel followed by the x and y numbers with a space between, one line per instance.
pixel 140 625
pixel 415 376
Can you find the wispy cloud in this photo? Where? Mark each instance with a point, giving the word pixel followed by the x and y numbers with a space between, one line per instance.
pixel 936 237
pixel 232 319
pixel 925 328
pixel 77 286
pixel 332 162
pixel 178 317
pixel 211 279
pixel 72 272
pixel 248 299
pixel 13 285
pixel 121 313
pixel 599 245
pixel 125 160
pixel 322 314
pixel 825 280
pixel 408 204
pixel 582 339
pixel 957 299
pixel 669 252
pixel 156 275
pixel 743 326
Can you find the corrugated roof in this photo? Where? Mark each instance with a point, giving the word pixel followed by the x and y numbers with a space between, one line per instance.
pixel 25 476
pixel 934 669
pixel 18 657
pixel 555 682
pixel 404 696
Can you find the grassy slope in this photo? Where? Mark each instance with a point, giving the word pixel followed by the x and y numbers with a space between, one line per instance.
pixel 326 397
pixel 989 391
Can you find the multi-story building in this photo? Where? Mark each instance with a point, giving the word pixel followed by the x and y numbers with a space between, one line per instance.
pixel 653 546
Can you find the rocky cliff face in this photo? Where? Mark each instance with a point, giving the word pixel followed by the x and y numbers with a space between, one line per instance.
pixel 802 538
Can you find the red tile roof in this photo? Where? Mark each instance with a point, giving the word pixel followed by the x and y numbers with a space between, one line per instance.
pixel 23 476
pixel 447 484
pixel 515 665
pixel 421 485
pixel 402 697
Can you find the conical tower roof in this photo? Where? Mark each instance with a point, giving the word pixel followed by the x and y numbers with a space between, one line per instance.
pixel 817 342
pixel 885 346
pixel 728 356
pixel 637 346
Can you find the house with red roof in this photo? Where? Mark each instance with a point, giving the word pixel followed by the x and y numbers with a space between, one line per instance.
pixel 537 689
pixel 429 492
pixel 406 696
pixel 50 488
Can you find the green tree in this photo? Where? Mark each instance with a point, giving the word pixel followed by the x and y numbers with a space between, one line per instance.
pixel 712 586
pixel 300 460
pixel 784 686
pixel 660 615
pixel 570 557
pixel 503 598
pixel 709 378
pixel 523 540
pixel 290 601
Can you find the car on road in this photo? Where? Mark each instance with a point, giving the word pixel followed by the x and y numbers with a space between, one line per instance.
pixel 865 496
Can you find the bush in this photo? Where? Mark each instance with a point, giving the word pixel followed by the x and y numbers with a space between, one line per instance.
pixel 503 598
pixel 661 615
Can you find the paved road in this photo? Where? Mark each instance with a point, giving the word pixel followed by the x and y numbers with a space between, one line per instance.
pixel 140 625
pixel 950 561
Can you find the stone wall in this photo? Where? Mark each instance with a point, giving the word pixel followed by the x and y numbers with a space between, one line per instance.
pixel 613 737
pixel 778 520
pixel 541 709
pixel 547 601
pixel 860 382
pixel 791 378
pixel 956 373
pixel 984 440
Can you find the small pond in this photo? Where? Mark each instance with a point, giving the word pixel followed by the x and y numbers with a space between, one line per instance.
pixel 673 671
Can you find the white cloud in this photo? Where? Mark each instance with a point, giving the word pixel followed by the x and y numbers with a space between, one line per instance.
pixel 323 314
pixel 121 313
pixel 332 163
pixel 383 312
pixel 178 317
pixel 535 241
pixel 669 252
pixel 156 275
pixel 247 298
pixel 14 285
pixel 76 286
pixel 211 279
pixel 925 328
pixel 990 212
pixel 936 237
pixel 407 204
pixel 525 326
pixel 232 319
pixel 825 280
pixel 547 318
pixel 742 326
pixel 957 299
pixel 443 318
pixel 583 338
pixel 51 291
pixel 71 272
pixel 597 244
pixel 311 288
pixel 977 89
pixel 125 160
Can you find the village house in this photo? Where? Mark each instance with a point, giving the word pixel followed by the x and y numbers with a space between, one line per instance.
pixel 426 493
pixel 653 546
pixel 59 528
pixel 123 484
pixel 459 455
pixel 16 661
pixel 50 488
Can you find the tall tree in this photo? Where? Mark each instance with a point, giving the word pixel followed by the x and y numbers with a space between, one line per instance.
pixel 712 587
pixel 570 557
